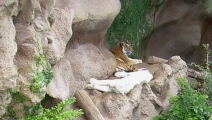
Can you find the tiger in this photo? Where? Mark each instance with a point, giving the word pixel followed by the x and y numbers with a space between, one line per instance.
pixel 121 52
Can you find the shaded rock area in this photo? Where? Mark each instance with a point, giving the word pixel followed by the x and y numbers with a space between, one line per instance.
pixel 181 27
pixel 145 100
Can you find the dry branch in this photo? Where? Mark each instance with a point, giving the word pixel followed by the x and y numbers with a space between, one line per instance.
pixel 85 102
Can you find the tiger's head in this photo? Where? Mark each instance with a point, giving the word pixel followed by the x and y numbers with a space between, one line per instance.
pixel 126 47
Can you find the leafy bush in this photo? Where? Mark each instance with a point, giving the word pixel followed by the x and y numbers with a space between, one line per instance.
pixel 57 113
pixel 189 104
pixel 37 112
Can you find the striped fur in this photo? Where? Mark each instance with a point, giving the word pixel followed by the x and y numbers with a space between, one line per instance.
pixel 121 52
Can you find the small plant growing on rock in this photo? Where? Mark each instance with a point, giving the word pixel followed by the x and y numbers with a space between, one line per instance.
pixel 189 104
pixel 42 74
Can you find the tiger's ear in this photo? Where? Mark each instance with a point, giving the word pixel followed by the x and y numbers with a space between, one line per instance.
pixel 126 41
pixel 122 43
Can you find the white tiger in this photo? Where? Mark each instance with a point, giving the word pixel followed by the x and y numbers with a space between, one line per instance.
pixel 126 81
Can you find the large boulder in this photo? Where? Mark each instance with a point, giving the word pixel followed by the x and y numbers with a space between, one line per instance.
pixel 181 27
pixel 85 55
pixel 165 84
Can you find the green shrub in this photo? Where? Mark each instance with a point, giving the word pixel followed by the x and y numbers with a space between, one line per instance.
pixel 189 104
pixel 37 112
pixel 57 113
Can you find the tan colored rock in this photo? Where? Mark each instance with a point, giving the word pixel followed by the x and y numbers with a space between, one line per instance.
pixel 59 34
pixel 45 26
pixel 88 61
pixel 8 49
pixel 32 27
pixel 59 87
pixel 85 53
pixel 140 104
pixel 165 84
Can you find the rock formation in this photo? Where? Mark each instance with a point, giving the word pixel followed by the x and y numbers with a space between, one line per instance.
pixel 8 49
pixel 69 33
pixel 181 27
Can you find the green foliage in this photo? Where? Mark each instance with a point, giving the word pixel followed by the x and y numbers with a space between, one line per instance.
pixel 189 104
pixel 57 113
pixel 131 23
pixel 17 98
pixel 9 111
pixel 37 112
pixel 42 74
pixel 209 6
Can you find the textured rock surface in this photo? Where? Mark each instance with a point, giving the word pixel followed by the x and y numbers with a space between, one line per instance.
pixel 8 49
pixel 164 84
pixel 85 53
pixel 139 104
pixel 47 28
pixel 182 26
pixel 69 33
pixel 32 37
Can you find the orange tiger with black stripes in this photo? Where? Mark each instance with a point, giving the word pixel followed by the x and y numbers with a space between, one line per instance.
pixel 121 52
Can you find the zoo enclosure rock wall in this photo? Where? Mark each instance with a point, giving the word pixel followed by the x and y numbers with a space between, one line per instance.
pixel 69 33
pixel 8 48
pixel 181 28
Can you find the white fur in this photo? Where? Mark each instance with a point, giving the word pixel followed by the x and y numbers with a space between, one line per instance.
pixel 122 85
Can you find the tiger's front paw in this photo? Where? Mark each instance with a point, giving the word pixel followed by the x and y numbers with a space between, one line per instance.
pixel 142 69
pixel 90 86
pixel 138 61
pixel 121 74
pixel 93 81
